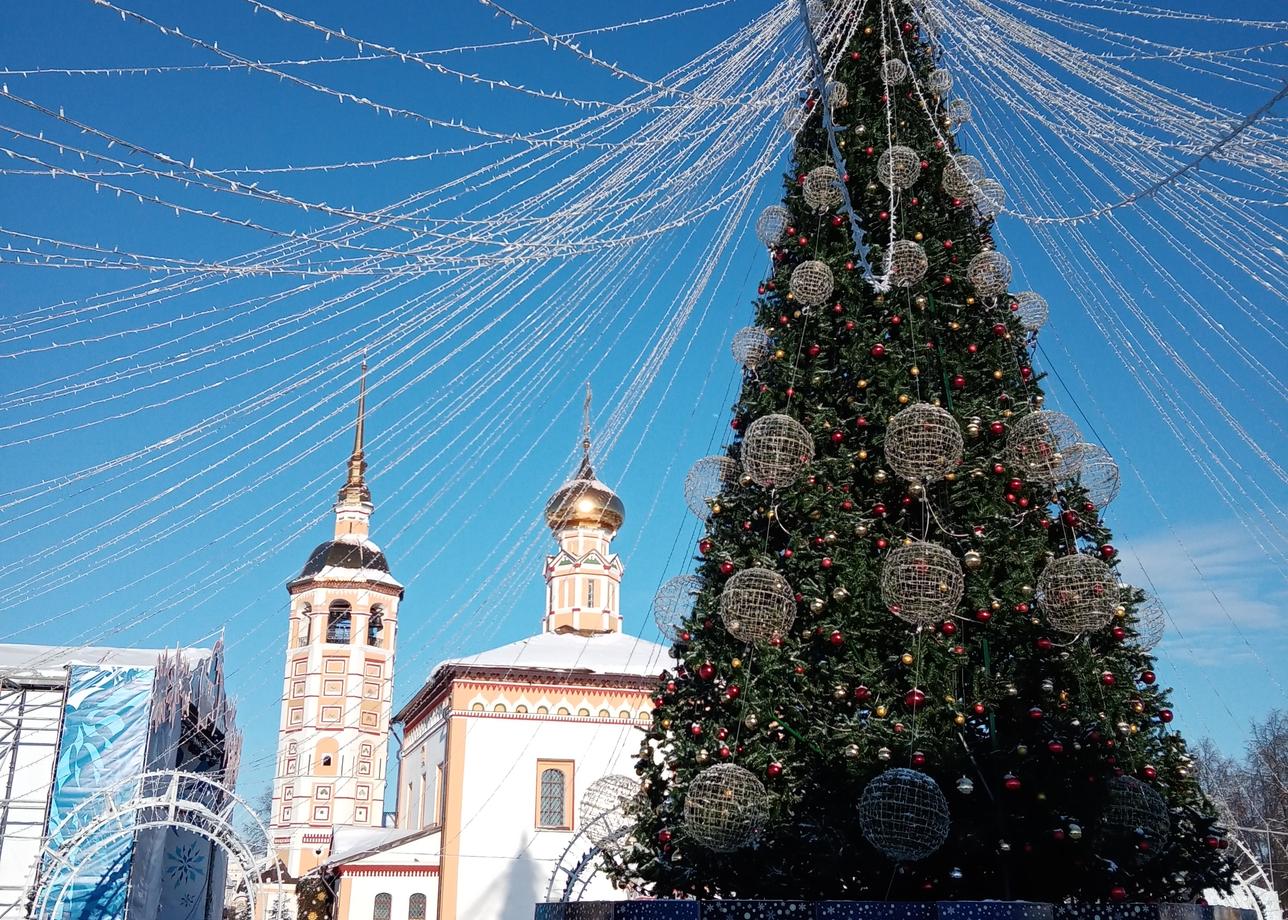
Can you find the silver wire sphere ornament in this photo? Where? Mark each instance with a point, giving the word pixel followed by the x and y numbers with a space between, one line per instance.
pixel 989 273
pixel 674 602
pixel 894 71
pixel 904 814
pixel 905 263
pixel 838 94
pixel 605 810
pixel 899 167
pixel 989 198
pixel 822 189
pixel 1095 470
pixel 1031 309
pixel 923 442
pixel 1077 593
pixel 705 481
pixel 725 808
pixel 751 347
pixel 1039 447
pixel 1151 622
pixel 921 582
pixel 794 118
pixel 1134 810
pixel 812 283
pixel 772 224
pixel 775 450
pixel 757 604
pixel 939 81
pixel 961 174
pixel 959 111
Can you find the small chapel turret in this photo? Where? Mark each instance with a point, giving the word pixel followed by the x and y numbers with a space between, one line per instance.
pixel 338 686
pixel 584 578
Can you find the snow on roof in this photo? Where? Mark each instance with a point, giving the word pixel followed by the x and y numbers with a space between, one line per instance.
pixel 601 653
pixel 52 661
pixel 349 844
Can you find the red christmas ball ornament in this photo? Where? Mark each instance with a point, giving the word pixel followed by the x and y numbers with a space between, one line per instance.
pixel 1118 633
pixel 735 423
pixel 837 309
pixel 1035 713
pixel 947 280
pixel 884 215
pixel 879 509
pixel 787 552
pixel 776 641
pixel 948 628
pixel 914 201
pixel 914 699
pixel 1057 834
pixel 978 708
pixel 1014 485
pixel 722 734
pixel 1023 502
pixel 1044 644
pixel 1011 782
pixel 837 220
pixel 760 290
pixel 1022 607
pixel 972 348
pixel 948 244
pixel 983 615
pixel 877 350
pixel 999 330
pixel 1026 372
pixel 837 437
pixel 849 265
pixel 847 505
pixel 1107 551
pixel 726 568
pixel 790 392
pixel 695 729
pixel 896 320
pixel 1070 518
pixel 1165 715
pixel 813 350
pixel 862 693
pixel 997 429
pixel 882 542
pixel 659 701
pixel 958 382
pixel 706 670
pixel 732 691
pixel 1055 747
pixel 836 638
pixel 1149 771
pixel 918 759
pixel 1118 893
pixel 998 469
pixel 802 240
pixel 1148 677
pixel 854 55
pixel 861 422
pixel 869 150
pixel 663 836
pixel 783 320
pixel 686 636
pixel 724 752
pixel 774 770
pixel 704 546
pixel 827 562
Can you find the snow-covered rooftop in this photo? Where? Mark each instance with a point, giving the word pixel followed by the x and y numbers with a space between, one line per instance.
pixel 603 653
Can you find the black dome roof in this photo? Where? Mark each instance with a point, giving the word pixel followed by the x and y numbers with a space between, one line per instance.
pixel 344 556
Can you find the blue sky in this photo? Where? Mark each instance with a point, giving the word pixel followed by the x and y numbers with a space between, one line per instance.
pixel 458 495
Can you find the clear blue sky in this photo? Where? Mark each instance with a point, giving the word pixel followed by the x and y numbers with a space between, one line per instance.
pixel 452 516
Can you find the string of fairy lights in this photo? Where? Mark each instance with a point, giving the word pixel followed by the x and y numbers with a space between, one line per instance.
pixel 449 292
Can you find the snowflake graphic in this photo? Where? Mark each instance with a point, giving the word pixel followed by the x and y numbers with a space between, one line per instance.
pixel 188 900
pixel 186 863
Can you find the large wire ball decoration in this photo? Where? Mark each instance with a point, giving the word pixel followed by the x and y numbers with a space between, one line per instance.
pixel 1032 310
pixel 794 118
pixel 812 283
pixel 1040 447
pixel 894 71
pixel 772 224
pixel 838 94
pixel 1151 623
pixel 904 814
pixel 989 198
pixel 1077 593
pixel 757 604
pixel 989 273
pixel 906 263
pixel 751 347
pixel 961 174
pixel 899 167
pixel 1134 810
pixel 1095 470
pixel 939 81
pixel 775 450
pixel 959 111
pixel 923 442
pixel 674 602
pixel 725 808
pixel 705 481
pixel 921 582
pixel 604 810
pixel 822 188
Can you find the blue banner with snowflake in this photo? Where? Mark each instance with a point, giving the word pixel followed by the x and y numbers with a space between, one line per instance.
pixel 102 747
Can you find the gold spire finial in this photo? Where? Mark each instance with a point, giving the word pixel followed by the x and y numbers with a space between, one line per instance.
pixel 355 487
pixel 585 425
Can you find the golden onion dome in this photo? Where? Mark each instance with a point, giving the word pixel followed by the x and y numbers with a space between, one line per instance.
pixel 585 501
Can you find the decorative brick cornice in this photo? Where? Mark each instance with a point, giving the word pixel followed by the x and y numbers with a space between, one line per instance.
pixel 361 870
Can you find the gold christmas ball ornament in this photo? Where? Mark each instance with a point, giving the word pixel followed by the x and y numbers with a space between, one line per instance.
pixel 881 712
pixel 829 537
pixel 861 530
pixel 995 606
pixel 840 691
pixel 916 489
pixel 736 663
pixel 817 604
pixel 906 659
pixel 779 354
pixel 959 720
pixel 839 593
pixel 880 476
pixel 862 384
pixel 921 301
pixel 918 236
pixel 955 326
pixel 703 756
pixel 1075 832
pixel 998 375
pixel 914 371
pixel 751 721
pixel 715 508
pixel 1021 750
pixel 862 455
pixel 904 398
pixel 972 559
pixel 950 477
pixel 666 723
pixel 1026 590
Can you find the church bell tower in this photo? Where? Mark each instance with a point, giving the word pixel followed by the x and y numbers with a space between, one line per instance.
pixel 338 685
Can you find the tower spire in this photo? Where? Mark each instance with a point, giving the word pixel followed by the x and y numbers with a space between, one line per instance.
pixel 355 491
pixel 585 425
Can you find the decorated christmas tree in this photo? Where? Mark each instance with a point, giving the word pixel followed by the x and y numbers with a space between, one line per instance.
pixel 908 668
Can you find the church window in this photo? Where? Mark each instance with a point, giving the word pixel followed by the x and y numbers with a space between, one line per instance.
pixel 590 594
pixel 416 907
pixel 302 630
pixel 338 622
pixel 326 760
pixel 384 907
pixel 376 626
pixel 554 793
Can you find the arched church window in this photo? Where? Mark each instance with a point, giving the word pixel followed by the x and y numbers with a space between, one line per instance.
pixel 303 627
pixel 416 907
pixel 339 621
pixel 383 908
pixel 554 793
pixel 376 626
pixel 590 594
